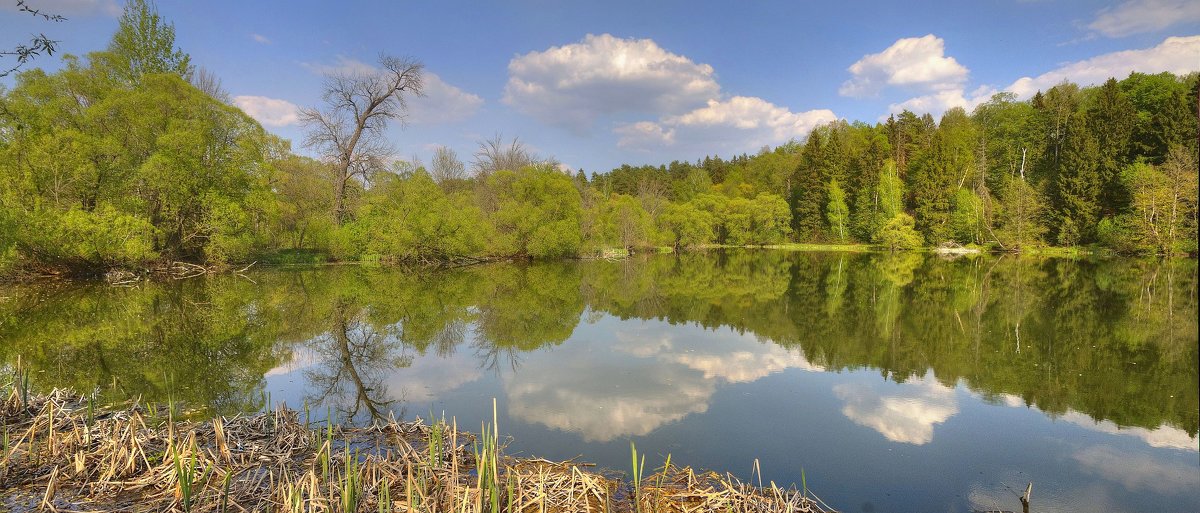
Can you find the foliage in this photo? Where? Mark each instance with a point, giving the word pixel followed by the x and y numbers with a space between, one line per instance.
pixel 538 213
pixel 145 45
pixel 117 160
pixel 899 233
pixel 837 212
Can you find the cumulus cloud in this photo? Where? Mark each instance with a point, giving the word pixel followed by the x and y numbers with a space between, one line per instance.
pixel 943 101
pixel 1179 55
pixel 914 63
pixel 575 84
pixel 1138 16
pixel 906 415
pixel 442 103
pixel 70 7
pixel 269 111
pixel 259 38
pixel 735 124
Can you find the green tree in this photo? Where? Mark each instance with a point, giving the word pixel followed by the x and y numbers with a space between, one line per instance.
pixel 686 225
pixel 144 44
pixel 1111 118
pixel 1078 185
pixel 1019 215
pixel 967 216
pixel 899 233
pixel 836 211
pixel 538 213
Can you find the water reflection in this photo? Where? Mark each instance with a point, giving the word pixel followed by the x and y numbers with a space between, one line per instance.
pixel 647 375
pixel 1136 471
pixel 602 351
pixel 905 412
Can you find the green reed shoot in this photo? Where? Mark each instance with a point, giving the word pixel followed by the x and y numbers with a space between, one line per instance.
pixel 188 477
pixel 666 466
pixel 225 492
pixel 487 462
pixel 351 482
pixel 436 440
pixel 638 468
pixel 385 497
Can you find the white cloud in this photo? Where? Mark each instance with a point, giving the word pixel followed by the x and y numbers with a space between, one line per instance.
pixel 736 124
pixel 269 111
pixel 644 134
pixel 1137 16
pixel 575 84
pixel 442 103
pixel 906 415
pixel 914 62
pixel 942 101
pixel 259 38
pixel 70 7
pixel 1179 55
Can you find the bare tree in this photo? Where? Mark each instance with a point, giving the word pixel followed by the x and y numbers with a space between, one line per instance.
pixel 446 167
pixel 493 155
pixel 349 133
pixel 38 44
pixel 208 82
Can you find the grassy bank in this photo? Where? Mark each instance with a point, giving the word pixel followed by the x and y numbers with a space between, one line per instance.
pixel 60 453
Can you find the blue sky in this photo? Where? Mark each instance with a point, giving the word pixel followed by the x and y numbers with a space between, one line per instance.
pixel 598 84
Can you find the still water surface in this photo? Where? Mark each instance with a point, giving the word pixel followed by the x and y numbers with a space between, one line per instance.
pixel 894 382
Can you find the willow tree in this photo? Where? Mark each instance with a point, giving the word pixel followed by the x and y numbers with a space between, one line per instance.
pixel 349 132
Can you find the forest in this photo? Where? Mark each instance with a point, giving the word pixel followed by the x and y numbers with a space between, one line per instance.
pixel 132 156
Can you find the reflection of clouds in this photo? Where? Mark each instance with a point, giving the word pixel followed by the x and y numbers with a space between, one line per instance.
pixel 1005 497
pixel 907 415
pixel 603 398
pixel 725 355
pixel 1162 436
pixel 648 376
pixel 1137 471
pixel 419 382
pixel 430 375
pixel 298 358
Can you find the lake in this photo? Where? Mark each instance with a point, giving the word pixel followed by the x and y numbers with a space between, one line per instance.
pixel 886 382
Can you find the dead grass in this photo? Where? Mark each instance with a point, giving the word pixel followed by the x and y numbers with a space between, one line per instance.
pixel 61 456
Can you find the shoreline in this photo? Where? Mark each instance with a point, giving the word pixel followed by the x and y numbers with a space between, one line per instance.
pixel 60 453
pixel 127 276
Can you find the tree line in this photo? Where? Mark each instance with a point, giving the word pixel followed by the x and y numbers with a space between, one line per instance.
pixel 132 156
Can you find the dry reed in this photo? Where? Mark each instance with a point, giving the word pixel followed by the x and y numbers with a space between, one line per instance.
pixel 61 454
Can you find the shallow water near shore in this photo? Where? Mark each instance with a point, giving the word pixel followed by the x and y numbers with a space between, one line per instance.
pixel 893 382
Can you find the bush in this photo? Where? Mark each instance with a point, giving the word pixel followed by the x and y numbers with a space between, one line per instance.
pixel 899 233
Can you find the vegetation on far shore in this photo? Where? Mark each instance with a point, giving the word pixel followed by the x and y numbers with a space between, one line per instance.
pixel 134 158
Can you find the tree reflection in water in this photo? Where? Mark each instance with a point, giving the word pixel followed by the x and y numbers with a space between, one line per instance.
pixel 353 360
pixel 1113 339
